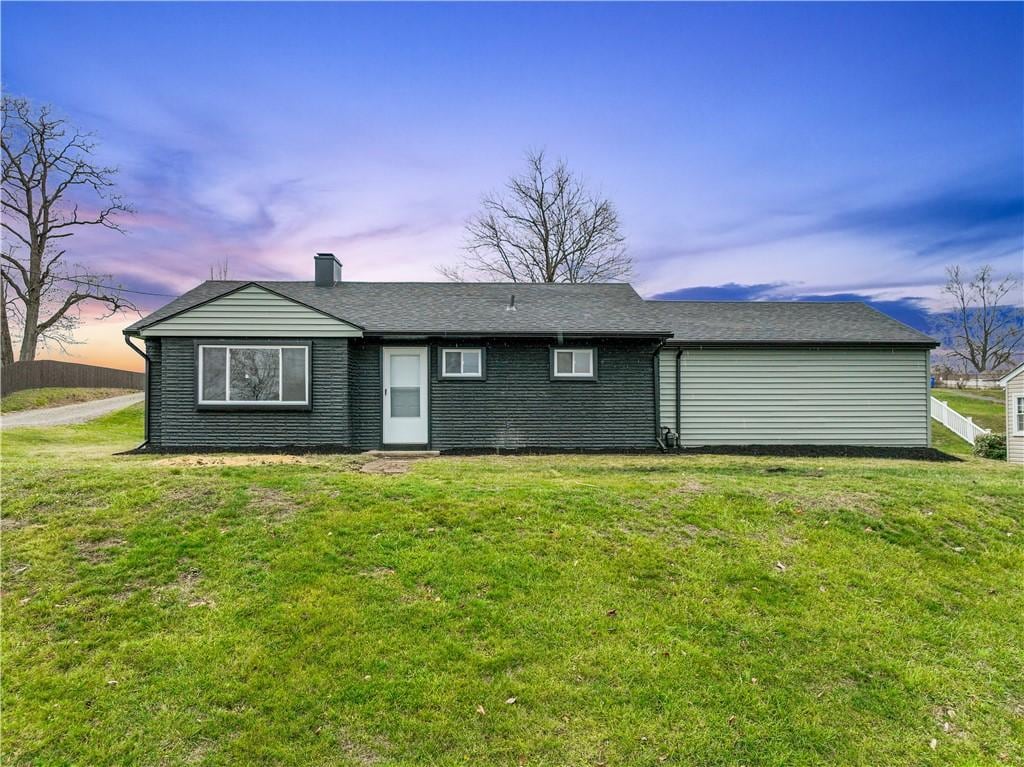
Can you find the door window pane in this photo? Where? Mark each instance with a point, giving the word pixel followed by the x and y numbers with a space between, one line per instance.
pixel 405 402
pixel 293 375
pixel 405 370
pixel 214 386
pixel 255 374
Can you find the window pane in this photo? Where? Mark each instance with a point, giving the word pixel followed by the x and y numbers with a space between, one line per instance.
pixel 214 374
pixel 452 363
pixel 582 366
pixel 255 375
pixel 405 402
pixel 294 375
pixel 405 370
pixel 1020 421
pixel 563 363
pixel 471 362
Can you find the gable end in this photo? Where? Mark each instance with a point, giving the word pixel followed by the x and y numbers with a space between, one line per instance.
pixel 255 312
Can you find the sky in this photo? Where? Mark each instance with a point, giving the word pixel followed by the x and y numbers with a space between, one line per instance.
pixel 754 151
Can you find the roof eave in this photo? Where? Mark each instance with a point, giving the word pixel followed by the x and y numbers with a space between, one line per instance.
pixel 1011 375
pixel 517 333
pixel 931 344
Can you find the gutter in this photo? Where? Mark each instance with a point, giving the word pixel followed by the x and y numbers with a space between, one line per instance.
pixel 657 398
pixel 679 397
pixel 145 402
pixel 692 344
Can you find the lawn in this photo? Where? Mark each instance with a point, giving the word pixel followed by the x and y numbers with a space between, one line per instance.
pixel 986 406
pixel 640 610
pixel 52 396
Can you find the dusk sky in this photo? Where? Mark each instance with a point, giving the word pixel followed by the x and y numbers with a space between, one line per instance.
pixel 754 151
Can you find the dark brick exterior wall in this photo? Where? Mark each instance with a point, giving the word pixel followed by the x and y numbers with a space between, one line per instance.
pixel 516 407
pixel 519 407
pixel 153 392
pixel 365 394
pixel 176 423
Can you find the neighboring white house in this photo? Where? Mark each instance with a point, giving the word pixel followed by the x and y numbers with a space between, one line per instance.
pixel 1013 382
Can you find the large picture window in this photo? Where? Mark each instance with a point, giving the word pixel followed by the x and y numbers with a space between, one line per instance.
pixel 253 375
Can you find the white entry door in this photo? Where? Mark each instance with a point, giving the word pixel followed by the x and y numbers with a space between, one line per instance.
pixel 405 395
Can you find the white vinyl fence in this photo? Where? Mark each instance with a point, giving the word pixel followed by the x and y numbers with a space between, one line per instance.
pixel 962 426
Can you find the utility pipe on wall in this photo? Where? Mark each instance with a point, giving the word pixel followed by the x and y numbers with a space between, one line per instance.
pixel 145 403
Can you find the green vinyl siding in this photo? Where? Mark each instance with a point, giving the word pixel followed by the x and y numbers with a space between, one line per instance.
pixel 820 396
pixel 667 387
pixel 253 312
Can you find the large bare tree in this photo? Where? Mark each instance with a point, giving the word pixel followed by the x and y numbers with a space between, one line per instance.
pixel 985 325
pixel 52 189
pixel 546 227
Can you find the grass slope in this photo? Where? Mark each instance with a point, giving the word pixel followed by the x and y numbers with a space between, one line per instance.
pixel 986 406
pixel 988 411
pixel 33 399
pixel 642 610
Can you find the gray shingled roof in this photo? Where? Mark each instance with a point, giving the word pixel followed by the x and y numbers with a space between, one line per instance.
pixel 765 322
pixel 447 308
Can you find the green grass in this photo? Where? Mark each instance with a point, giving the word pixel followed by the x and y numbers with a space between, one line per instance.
pixel 641 610
pixel 986 406
pixel 33 399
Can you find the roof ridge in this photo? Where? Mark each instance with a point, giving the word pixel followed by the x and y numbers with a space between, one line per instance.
pixel 442 282
pixel 748 301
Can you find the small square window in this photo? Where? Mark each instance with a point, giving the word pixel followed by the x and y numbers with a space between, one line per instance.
pixel 573 363
pixel 462 363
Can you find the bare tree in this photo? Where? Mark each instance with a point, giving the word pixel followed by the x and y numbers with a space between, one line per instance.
pixel 986 324
pixel 51 190
pixel 219 270
pixel 546 227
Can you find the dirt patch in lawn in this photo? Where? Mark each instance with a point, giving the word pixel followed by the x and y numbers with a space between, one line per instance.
pixel 13 523
pixel 192 461
pixel 95 552
pixel 185 588
pixel 272 503
pixel 828 500
pixel 689 487
pixel 362 752
pixel 385 466
pixel 378 572
pixel 672 533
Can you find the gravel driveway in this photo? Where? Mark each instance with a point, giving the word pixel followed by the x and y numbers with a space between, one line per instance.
pixel 77 413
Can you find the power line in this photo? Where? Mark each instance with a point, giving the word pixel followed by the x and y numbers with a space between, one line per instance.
pixel 115 287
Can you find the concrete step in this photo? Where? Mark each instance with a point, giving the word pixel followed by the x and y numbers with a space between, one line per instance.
pixel 404 455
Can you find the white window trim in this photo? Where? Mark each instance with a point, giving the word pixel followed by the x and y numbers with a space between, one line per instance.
pixel 227 401
pixel 462 363
pixel 1015 414
pixel 573 374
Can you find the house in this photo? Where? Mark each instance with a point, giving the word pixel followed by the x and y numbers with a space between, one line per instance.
pixel 332 364
pixel 1013 383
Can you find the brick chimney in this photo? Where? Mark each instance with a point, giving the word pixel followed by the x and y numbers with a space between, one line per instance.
pixel 328 270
